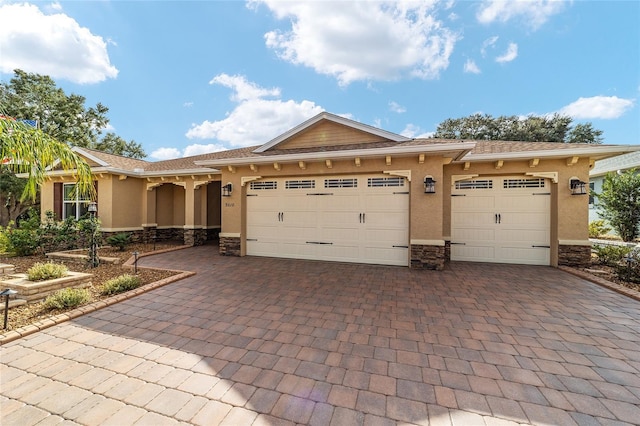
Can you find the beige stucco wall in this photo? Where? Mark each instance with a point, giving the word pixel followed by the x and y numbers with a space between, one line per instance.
pixel 213 204
pixel 126 208
pixel 46 198
pixel 164 204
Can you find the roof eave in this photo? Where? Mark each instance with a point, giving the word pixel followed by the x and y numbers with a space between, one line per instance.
pixel 455 150
pixel 596 152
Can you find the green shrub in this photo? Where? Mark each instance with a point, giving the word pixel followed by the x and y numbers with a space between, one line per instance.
pixel 22 242
pixel 611 255
pixel 629 269
pixel 119 284
pixel 598 228
pixel 67 298
pixel 121 240
pixel 46 271
pixel 4 241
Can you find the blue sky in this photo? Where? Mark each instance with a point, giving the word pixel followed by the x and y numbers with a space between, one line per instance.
pixel 188 77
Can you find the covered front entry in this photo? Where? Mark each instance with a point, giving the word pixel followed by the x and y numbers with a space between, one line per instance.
pixel 356 218
pixel 503 219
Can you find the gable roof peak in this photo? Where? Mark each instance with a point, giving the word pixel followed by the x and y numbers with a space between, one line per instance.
pixel 327 116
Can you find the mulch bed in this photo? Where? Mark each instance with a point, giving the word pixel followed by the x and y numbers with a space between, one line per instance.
pixel 24 315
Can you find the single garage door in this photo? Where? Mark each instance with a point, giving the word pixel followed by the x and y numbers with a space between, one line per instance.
pixel 501 219
pixel 359 219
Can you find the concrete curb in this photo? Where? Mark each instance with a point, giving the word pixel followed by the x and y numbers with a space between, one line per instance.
pixel 12 335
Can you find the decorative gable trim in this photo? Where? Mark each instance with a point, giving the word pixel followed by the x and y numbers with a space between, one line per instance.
pixel 336 119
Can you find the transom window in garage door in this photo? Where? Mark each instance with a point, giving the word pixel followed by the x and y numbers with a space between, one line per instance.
pixel 300 184
pixel 523 183
pixel 475 184
pixel 378 182
pixel 272 184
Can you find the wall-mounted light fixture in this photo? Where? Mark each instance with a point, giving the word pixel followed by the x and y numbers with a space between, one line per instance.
pixel 429 185
pixel 227 189
pixel 577 186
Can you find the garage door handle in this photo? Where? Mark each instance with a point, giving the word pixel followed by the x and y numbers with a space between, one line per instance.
pixel 458 244
pixel 400 246
pixel 535 246
pixel 318 242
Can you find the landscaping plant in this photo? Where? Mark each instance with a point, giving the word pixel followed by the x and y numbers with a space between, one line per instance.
pixel 120 284
pixel 67 298
pixel 611 255
pixel 598 228
pixel 46 271
pixel 620 203
pixel 121 240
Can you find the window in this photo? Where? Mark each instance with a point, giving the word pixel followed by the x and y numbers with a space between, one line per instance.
pixel 474 184
pixel 592 198
pixel 74 205
pixel 523 183
pixel 385 182
pixel 300 184
pixel 341 183
pixel 263 185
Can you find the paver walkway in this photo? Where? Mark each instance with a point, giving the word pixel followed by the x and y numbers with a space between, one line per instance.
pixel 276 342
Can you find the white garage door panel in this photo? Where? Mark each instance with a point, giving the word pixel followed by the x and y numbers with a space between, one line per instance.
pixel 499 219
pixel 356 219
pixel 473 253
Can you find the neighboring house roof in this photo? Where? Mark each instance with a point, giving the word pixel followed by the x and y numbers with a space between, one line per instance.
pixel 613 164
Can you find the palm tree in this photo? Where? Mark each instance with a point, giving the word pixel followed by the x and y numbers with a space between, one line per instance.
pixel 28 150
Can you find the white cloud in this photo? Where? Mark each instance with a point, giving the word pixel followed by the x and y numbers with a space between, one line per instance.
pixel 165 154
pixel 255 120
pixel 509 55
pixel 413 131
pixel 356 41
pixel 533 13
pixel 187 104
pixel 396 107
pixel 197 149
pixel 490 42
pixel 598 107
pixel 54 45
pixel 471 67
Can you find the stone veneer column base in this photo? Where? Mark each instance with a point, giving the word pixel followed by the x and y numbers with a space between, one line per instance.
pixel 574 255
pixel 427 257
pixel 230 246
pixel 195 237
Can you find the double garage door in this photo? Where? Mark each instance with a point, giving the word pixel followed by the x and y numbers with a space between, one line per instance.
pixel 360 219
pixel 501 219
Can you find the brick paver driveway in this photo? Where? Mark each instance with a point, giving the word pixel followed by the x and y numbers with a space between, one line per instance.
pixel 271 341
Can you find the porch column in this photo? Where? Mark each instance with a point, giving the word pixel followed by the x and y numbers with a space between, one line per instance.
pixel 193 235
pixel 149 224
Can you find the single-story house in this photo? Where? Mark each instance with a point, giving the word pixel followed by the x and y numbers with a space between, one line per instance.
pixel 335 189
pixel 601 168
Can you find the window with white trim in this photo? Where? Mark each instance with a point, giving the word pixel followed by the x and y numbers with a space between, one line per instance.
pixel 73 204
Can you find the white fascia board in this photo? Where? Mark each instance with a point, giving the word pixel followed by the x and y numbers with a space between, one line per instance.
pixel 91 157
pixel 455 148
pixel 594 151
pixel 115 171
pixel 336 119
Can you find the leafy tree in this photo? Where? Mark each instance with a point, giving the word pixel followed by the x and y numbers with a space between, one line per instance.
pixel 62 120
pixel 556 128
pixel 116 145
pixel 620 203
pixel 584 133
pixel 63 117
